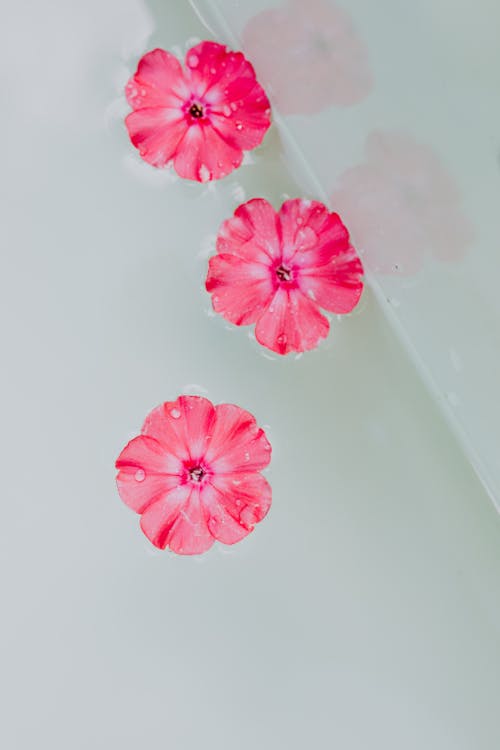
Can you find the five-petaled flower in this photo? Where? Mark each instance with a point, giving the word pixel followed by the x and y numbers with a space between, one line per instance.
pixel 193 474
pixel 277 269
pixel 200 118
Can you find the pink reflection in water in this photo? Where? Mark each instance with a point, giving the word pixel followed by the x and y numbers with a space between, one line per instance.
pixel 308 55
pixel 402 205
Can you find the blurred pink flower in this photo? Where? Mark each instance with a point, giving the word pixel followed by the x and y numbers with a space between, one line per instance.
pixel 402 205
pixel 193 474
pixel 308 56
pixel 200 118
pixel 277 269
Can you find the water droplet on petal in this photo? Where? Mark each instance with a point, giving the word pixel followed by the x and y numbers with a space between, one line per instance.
pixel 193 61
pixel 140 475
pixel 227 110
pixel 213 71
pixel 247 456
pixel 175 413
pixel 239 126
pixel 236 481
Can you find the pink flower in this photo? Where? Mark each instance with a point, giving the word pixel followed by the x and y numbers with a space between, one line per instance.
pixel 200 118
pixel 193 475
pixel 402 204
pixel 308 55
pixel 277 269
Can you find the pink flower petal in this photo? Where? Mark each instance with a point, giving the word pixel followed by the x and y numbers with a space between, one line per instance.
pixel 204 155
pixel 158 82
pixel 157 133
pixel 178 521
pixel 182 426
pixel 237 443
pixel 146 473
pixel 336 286
pixel 240 289
pixel 311 233
pixel 219 75
pixel 291 323
pixel 236 503
pixel 253 233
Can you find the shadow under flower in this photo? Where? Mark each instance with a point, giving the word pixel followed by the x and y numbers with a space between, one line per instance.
pixel 308 55
pixel 401 205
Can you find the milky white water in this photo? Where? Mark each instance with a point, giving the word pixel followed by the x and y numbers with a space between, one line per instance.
pixel 365 610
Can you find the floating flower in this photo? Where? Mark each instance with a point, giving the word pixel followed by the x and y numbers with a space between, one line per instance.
pixel 200 118
pixel 402 204
pixel 193 474
pixel 277 269
pixel 308 55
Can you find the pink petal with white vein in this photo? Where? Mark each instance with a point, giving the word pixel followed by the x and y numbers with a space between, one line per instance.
pixel 237 443
pixel 236 503
pixel 336 286
pixel 181 426
pixel 310 233
pixel 253 233
pixel 157 133
pixel 158 82
pixel 189 534
pixel 178 521
pixel 146 472
pixel 204 155
pixel 240 289
pixel 291 323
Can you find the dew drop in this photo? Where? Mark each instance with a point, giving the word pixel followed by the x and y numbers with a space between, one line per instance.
pixel 236 481
pixel 193 61
pixel 239 126
pixel 140 475
pixel 247 456
pixel 226 109
pixel 175 413
pixel 143 92
pixel 213 71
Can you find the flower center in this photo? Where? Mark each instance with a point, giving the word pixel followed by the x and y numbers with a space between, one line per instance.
pixel 196 111
pixel 196 473
pixel 283 274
